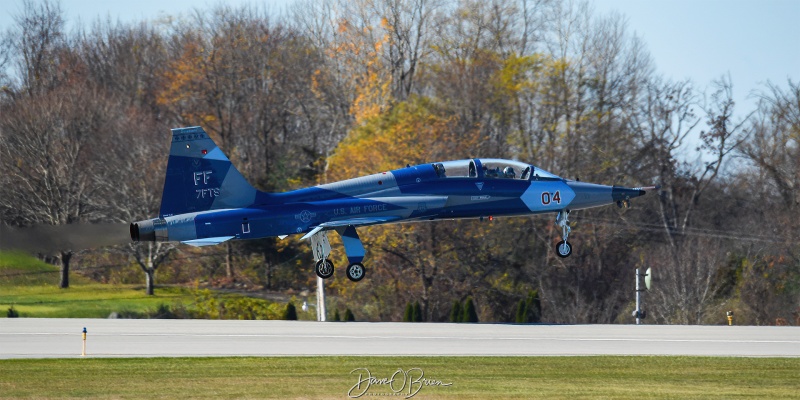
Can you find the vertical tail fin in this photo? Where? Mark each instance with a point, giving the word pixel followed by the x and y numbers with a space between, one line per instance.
pixel 200 177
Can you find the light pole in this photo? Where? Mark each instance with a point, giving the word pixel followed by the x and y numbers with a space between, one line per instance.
pixel 639 313
pixel 321 300
pixel 320 306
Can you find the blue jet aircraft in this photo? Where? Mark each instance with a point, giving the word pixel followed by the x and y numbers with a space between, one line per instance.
pixel 206 201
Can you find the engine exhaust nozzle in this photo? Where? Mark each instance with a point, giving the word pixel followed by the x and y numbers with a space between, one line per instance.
pixel 150 230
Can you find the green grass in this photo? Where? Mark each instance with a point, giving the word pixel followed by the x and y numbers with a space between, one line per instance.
pixel 87 300
pixel 31 287
pixel 20 269
pixel 472 377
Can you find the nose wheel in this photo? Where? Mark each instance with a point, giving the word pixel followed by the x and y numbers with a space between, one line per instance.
pixel 563 248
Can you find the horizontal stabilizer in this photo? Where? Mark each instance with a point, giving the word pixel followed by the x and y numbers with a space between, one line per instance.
pixel 207 241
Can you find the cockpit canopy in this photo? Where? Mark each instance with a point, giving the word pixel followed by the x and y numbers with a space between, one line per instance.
pixel 490 168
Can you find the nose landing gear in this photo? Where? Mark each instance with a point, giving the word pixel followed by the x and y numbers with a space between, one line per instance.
pixel 563 248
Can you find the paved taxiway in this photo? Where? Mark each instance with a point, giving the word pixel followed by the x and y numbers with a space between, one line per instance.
pixel 40 338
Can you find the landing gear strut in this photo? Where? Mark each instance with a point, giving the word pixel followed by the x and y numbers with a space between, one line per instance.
pixel 563 248
pixel 352 247
pixel 355 253
pixel 321 249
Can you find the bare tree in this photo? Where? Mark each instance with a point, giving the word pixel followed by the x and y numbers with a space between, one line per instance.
pixel 685 290
pixel 47 145
pixel 691 264
pixel 775 144
pixel 408 23
pixel 37 38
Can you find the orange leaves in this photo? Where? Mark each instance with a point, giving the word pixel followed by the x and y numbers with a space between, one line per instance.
pixel 373 87
pixel 343 26
pixel 182 80
pixel 371 96
pixel 358 50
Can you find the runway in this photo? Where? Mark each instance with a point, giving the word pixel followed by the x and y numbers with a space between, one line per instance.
pixel 48 338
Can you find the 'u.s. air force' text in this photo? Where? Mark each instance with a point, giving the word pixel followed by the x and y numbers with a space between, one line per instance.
pixel 360 209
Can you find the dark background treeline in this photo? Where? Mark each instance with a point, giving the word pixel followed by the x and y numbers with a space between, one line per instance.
pixel 331 90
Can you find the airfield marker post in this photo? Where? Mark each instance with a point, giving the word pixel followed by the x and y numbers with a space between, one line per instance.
pixel 321 300
pixel 83 350
pixel 639 313
pixel 638 299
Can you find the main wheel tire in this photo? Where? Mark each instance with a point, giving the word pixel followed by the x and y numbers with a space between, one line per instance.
pixel 355 272
pixel 324 269
pixel 563 249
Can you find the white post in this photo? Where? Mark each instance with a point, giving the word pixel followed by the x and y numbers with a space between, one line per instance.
pixel 638 293
pixel 321 249
pixel 320 299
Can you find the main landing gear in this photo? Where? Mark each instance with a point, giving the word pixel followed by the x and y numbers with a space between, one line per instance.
pixel 352 247
pixel 563 248
pixel 324 269
pixel 355 272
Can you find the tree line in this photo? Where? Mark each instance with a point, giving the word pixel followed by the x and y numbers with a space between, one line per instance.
pixel 337 89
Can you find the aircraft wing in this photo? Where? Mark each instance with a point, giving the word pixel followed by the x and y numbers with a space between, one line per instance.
pixel 207 241
pixel 350 222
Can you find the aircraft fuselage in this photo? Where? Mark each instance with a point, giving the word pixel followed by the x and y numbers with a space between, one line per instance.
pixel 408 194
pixel 206 201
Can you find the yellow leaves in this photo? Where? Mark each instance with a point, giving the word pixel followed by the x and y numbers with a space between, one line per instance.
pixel 557 67
pixel 207 118
pixel 411 132
pixel 505 283
pixel 517 73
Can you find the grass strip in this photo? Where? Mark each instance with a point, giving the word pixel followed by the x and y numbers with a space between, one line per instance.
pixel 471 377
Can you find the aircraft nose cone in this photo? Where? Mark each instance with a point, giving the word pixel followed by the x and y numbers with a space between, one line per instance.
pixel 619 193
pixel 589 195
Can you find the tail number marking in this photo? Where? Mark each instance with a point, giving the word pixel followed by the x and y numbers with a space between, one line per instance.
pixel 202 178
pixel 207 193
pixel 548 198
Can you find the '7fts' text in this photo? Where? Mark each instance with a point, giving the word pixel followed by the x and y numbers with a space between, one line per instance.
pixel 207 193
